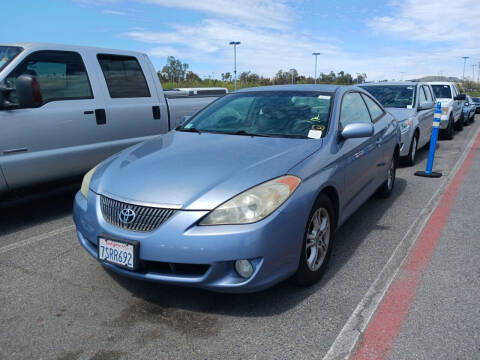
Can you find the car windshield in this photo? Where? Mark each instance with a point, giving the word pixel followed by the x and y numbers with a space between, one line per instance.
pixel 476 99
pixel 266 113
pixel 442 91
pixel 394 96
pixel 7 53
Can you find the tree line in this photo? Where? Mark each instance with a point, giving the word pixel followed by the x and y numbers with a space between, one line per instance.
pixel 175 74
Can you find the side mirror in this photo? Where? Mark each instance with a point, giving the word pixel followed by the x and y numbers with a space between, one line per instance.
pixel 357 130
pixel 460 97
pixel 426 105
pixel 28 91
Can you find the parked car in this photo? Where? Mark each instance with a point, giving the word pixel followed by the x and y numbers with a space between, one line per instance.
pixel 452 104
pixel 476 102
pixel 248 192
pixel 469 108
pixel 65 108
pixel 412 104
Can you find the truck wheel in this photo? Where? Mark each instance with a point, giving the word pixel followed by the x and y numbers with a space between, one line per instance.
pixel 459 125
pixel 317 243
pixel 447 133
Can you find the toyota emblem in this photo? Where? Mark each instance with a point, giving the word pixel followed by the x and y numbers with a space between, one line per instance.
pixel 126 216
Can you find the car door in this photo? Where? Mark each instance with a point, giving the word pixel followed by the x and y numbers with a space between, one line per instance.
pixel 457 104
pixel 425 117
pixel 133 107
pixel 361 156
pixel 60 138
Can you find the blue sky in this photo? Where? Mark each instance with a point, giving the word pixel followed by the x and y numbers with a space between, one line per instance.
pixel 382 39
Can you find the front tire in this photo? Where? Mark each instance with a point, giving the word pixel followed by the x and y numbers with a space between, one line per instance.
pixel 459 125
pixel 412 153
pixel 386 189
pixel 317 243
pixel 447 133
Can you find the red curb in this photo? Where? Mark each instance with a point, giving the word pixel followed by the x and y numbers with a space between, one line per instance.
pixel 381 333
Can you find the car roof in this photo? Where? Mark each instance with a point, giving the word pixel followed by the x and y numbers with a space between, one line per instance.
pixel 302 87
pixel 66 47
pixel 440 83
pixel 386 83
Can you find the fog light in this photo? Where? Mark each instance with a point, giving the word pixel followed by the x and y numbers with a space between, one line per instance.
pixel 244 268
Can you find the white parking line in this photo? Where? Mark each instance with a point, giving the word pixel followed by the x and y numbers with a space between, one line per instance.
pixel 36 238
pixel 348 337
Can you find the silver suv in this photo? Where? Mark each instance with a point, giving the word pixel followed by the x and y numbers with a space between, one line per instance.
pixel 412 104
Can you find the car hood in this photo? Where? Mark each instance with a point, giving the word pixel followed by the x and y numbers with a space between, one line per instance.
pixel 446 102
pixel 197 171
pixel 401 113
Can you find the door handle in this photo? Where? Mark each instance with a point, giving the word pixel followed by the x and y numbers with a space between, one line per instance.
pixel 156 112
pixel 100 116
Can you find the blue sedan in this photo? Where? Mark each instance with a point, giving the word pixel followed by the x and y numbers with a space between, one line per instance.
pixel 246 193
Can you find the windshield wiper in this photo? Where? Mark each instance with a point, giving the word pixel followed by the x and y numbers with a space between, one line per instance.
pixel 191 129
pixel 246 133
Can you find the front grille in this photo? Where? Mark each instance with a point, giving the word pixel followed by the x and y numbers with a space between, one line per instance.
pixel 146 218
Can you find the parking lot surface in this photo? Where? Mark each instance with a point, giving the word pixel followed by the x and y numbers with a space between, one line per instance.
pixel 59 303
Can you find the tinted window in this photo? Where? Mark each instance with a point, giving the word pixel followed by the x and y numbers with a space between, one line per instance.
pixel 375 110
pixel 124 76
pixel 396 96
pixel 442 91
pixel 60 74
pixel 427 93
pixel 476 99
pixel 422 97
pixel 7 53
pixel 276 114
pixel 353 110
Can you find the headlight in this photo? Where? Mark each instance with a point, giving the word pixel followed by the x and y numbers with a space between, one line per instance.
pixel 86 182
pixel 254 204
pixel 405 125
pixel 444 110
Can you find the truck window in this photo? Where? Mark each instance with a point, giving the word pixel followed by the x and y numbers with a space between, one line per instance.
pixel 124 76
pixel 422 96
pixel 60 74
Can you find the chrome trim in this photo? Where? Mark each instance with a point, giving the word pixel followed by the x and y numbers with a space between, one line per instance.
pixel 141 203
pixel 14 151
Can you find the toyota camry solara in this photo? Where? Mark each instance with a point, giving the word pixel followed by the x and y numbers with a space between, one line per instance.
pixel 246 193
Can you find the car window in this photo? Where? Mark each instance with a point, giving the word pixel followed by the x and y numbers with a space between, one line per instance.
pixel 353 110
pixel 427 93
pixel 266 113
pixel 442 91
pixel 422 98
pixel 7 54
pixel 396 96
pixel 375 110
pixel 60 74
pixel 124 76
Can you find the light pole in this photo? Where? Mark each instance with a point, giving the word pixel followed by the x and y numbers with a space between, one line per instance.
pixel 316 56
pixel 235 43
pixel 292 73
pixel 473 72
pixel 464 63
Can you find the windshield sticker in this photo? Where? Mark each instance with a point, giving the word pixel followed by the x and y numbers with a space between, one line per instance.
pixel 324 97
pixel 318 127
pixel 315 134
pixel 409 107
pixel 410 87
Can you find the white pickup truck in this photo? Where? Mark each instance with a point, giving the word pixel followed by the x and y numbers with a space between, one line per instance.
pixel 65 108
pixel 452 106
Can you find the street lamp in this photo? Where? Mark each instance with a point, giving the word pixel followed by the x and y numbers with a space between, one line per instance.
pixel 464 63
pixel 316 56
pixel 235 43
pixel 292 72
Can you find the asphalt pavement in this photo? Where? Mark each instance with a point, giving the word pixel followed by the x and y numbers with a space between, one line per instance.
pixel 59 303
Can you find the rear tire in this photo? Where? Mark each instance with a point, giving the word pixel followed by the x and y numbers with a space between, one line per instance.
pixel 386 189
pixel 317 243
pixel 459 125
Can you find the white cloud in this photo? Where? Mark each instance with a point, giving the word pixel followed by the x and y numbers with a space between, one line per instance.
pixel 275 14
pixel 114 12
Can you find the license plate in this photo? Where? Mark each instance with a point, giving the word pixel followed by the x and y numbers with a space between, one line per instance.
pixel 118 252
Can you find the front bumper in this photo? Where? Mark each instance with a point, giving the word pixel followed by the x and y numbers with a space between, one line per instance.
pixel 273 245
